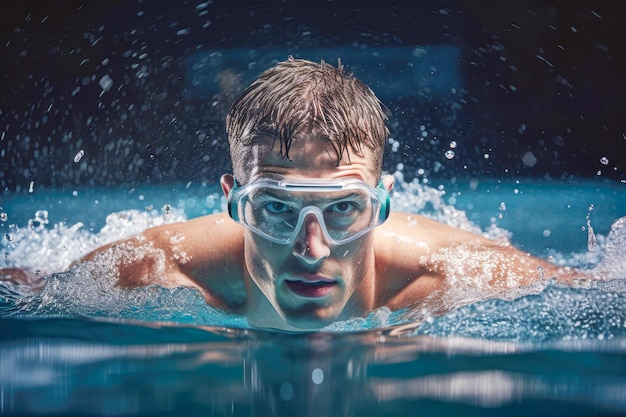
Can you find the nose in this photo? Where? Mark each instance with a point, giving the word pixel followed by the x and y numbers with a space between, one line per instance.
pixel 311 246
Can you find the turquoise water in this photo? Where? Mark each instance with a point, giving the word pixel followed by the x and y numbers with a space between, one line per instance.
pixel 85 347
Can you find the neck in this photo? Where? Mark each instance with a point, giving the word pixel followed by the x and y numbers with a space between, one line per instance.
pixel 363 299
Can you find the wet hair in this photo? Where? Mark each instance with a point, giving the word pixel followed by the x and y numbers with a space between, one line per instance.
pixel 298 97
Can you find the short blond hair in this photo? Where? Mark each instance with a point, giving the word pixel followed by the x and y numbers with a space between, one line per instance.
pixel 297 96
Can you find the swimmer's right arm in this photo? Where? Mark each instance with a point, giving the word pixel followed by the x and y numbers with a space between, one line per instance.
pixel 24 278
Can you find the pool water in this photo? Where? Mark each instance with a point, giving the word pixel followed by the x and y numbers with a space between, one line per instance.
pixel 84 347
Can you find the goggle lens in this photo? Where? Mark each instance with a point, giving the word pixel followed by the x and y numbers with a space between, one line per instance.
pixel 277 210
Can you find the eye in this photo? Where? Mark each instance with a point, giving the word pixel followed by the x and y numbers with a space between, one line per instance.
pixel 343 207
pixel 276 207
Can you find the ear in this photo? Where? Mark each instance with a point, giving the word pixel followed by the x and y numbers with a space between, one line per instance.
pixel 227 181
pixel 388 182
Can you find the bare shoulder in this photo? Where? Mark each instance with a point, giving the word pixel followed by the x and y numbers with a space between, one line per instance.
pixel 205 253
pixel 419 235
pixel 418 257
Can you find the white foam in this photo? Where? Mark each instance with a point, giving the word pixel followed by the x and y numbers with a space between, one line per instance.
pixel 39 247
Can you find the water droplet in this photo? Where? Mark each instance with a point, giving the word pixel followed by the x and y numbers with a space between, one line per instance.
pixel 317 376
pixel 591 237
pixel 286 391
pixel 106 82
pixel 529 159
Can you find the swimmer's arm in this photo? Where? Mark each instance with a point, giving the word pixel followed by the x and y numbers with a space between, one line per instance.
pixel 423 257
pixel 199 253
pixel 26 280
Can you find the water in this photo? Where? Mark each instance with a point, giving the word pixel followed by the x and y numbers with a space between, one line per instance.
pixel 100 94
pixel 85 347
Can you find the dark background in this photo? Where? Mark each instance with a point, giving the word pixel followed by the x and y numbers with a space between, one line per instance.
pixel 140 89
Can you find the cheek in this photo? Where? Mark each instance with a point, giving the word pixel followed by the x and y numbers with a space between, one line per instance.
pixel 262 257
pixel 354 254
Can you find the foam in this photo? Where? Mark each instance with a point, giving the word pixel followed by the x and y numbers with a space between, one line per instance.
pixel 53 249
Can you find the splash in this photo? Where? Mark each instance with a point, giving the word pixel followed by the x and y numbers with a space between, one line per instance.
pixel 556 313
pixel 49 250
pixel 589 310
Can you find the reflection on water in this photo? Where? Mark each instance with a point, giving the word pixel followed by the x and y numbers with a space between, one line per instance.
pixel 174 369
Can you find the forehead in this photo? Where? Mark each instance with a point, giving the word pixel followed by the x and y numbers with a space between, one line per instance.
pixel 309 156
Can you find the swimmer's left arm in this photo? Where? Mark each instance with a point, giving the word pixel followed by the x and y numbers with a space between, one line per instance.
pixel 420 257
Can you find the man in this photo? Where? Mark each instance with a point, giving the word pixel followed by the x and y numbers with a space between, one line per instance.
pixel 309 238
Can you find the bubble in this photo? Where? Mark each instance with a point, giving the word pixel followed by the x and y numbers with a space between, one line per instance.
pixel 449 154
pixel 453 144
pixel 604 160
pixel 3 216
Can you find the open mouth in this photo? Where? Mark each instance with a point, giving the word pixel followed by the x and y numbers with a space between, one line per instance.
pixel 310 289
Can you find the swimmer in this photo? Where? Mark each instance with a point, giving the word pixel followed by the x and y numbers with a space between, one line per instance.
pixel 309 237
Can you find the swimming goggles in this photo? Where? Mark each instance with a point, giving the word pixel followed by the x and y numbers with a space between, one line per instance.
pixel 276 209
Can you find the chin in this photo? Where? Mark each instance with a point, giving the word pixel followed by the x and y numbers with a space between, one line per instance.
pixel 310 317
